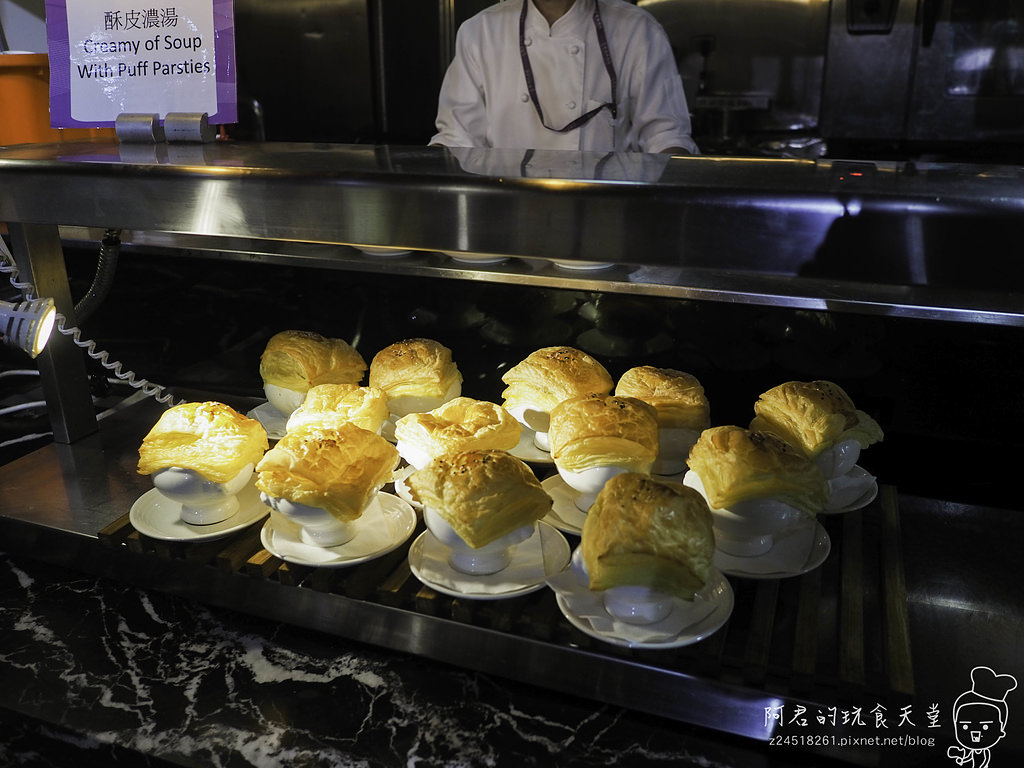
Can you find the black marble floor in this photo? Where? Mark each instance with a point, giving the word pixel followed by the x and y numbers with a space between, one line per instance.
pixel 98 673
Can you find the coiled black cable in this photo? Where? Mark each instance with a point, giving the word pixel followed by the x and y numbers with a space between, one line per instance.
pixel 103 280
pixel 156 391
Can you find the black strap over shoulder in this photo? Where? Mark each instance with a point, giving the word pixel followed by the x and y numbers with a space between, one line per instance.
pixel 606 55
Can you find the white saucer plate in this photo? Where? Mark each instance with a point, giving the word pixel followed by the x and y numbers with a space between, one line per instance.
pixel 861 501
pixel 585 610
pixel 527 450
pixel 384 526
pixel 156 516
pixel 469 257
pixel 382 251
pixel 582 266
pixel 796 552
pixel 273 421
pixel 564 514
pixel 533 562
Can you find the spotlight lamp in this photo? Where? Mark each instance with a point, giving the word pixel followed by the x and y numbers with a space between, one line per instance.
pixel 27 324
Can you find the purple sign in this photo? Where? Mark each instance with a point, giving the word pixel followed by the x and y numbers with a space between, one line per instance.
pixel 113 57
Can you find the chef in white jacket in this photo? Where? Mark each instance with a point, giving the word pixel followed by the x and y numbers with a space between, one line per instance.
pixel 564 74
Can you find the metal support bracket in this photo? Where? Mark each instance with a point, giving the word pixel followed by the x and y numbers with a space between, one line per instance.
pixel 38 253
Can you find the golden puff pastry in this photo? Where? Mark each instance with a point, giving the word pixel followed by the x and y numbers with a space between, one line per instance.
pixel 736 464
pixel 461 424
pixel 550 375
pixel 331 405
pixel 677 396
pixel 415 368
pixel 338 470
pixel 649 533
pixel 604 430
pixel 298 360
pixel 210 438
pixel 483 495
pixel 813 416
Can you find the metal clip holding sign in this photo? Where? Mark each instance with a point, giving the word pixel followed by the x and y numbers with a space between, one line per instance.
pixel 184 127
pixel 189 127
pixel 138 129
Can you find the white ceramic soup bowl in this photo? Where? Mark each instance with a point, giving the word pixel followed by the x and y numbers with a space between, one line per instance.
pixel 317 526
pixel 203 502
pixel 749 528
pixel 490 558
pixel 537 421
pixel 839 459
pixel 630 604
pixel 674 444
pixel 414 455
pixel 588 482
pixel 406 404
pixel 637 605
pixel 286 401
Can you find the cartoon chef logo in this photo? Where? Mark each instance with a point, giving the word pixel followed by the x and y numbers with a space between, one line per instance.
pixel 979 717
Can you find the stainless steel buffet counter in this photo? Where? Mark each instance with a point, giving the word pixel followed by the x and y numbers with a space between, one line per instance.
pixel 914 241
pixel 887 238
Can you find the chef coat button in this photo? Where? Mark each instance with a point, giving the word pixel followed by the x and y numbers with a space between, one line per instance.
pixel 528 41
pixel 570 105
pixel 524 97
pixel 574 49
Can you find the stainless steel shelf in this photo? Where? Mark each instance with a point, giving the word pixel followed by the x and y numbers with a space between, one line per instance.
pixel 919 240
pixel 967 305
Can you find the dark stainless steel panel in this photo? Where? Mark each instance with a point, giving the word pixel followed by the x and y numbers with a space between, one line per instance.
pixel 307 64
pixel 413 43
pixel 729 49
pixel 969 74
pixel 942 74
pixel 868 75
pixel 411 51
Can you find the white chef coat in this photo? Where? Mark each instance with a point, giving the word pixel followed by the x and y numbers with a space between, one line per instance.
pixel 484 101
